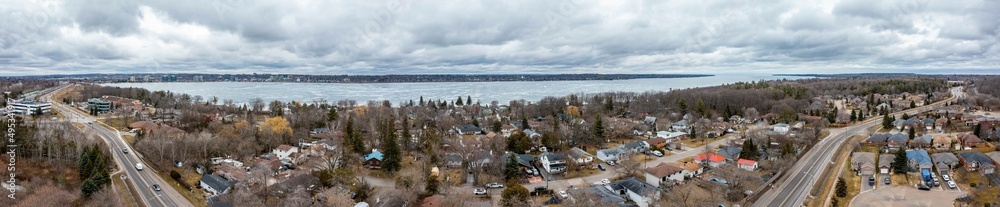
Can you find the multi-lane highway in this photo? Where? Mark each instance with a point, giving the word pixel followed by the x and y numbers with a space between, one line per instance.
pixel 142 181
pixel 799 180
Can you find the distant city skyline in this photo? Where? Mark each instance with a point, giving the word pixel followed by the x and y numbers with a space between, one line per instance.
pixel 509 37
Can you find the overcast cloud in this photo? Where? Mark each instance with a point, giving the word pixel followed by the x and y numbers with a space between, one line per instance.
pixel 510 36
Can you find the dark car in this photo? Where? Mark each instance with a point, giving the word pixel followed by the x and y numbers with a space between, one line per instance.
pixel 924 187
pixel 156 187
pixel 871 181
pixel 599 166
pixel 887 180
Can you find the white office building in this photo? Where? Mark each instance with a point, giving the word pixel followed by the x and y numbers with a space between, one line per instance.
pixel 28 108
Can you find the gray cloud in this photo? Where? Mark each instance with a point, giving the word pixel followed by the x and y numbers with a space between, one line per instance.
pixel 562 36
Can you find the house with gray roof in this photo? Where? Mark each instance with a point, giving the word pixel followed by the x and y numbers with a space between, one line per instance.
pixel 637 146
pixel 945 161
pixel 634 189
pixel 552 162
pixel 877 140
pixel 612 154
pixel 922 141
pixel 897 141
pixel 214 184
pixel 577 155
pixel 863 162
pixel 885 163
pixel 731 153
pixel 974 161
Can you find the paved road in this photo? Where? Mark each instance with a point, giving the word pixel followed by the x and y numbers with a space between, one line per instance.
pixel 799 180
pixel 140 180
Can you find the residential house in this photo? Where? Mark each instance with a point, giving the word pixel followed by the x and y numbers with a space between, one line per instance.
pixel 919 160
pixel 897 141
pixel 942 142
pixel 711 159
pixel 671 136
pixel 284 152
pixel 877 140
pixel 214 184
pixel 928 124
pixel 781 128
pixel 692 169
pixel 580 156
pixel 749 165
pixel 532 134
pixel 480 158
pixel 302 181
pixel 922 141
pixel 642 193
pixel 663 174
pixel 612 154
pixel 453 160
pixel 940 123
pixel 636 146
pixel 731 153
pixel 974 161
pixel 649 120
pixel 863 162
pixel 945 161
pixel 657 142
pixel 680 126
pixel 970 140
pixel 885 163
pixel 552 162
pixel 467 129
pixel 995 156
pixel 374 159
pixel 606 196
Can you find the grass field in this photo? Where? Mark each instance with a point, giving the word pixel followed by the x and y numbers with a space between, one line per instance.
pixel 127 193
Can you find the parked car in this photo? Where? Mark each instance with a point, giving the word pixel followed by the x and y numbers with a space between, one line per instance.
pixel 719 180
pixel 479 191
pixel 606 181
pixel 936 183
pixel 599 166
pixel 871 181
pixel 657 153
pixel 156 187
pixel 540 188
pixel 924 187
pixel 887 180
pixel 951 184
pixel 563 194
pixel 494 185
pixel 946 177
pixel 612 163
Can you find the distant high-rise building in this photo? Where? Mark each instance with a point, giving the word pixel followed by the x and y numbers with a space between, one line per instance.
pixel 147 78
pixel 131 79
pixel 198 78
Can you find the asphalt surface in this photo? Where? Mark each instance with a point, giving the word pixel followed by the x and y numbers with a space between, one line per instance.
pixel 799 180
pixel 142 181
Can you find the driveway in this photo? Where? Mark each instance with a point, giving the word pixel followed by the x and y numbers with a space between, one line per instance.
pixel 904 196
pixel 864 184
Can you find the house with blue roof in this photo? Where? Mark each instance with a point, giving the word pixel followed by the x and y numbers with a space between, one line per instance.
pixel 919 160
pixel 374 159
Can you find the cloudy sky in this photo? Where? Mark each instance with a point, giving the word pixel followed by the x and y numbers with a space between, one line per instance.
pixel 510 36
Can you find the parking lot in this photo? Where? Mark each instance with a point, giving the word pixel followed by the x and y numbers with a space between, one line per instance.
pixel 904 196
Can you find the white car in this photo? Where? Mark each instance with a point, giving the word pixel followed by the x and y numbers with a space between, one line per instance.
pixel 479 191
pixel 494 185
pixel 563 194
pixel 606 181
pixel 138 166
pixel 951 184
pixel 946 177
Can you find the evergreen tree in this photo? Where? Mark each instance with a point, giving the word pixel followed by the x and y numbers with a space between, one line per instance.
pixel 468 100
pixel 524 124
pixel 421 100
pixel 749 151
pixel 392 157
pixel 352 137
pixel 406 136
pixel 912 133
pixel 899 165
pixel 459 101
pixel 913 104
pixel 432 185
pixel 514 195
pixel 518 142
pixel 841 188
pixel 497 127
pixel 475 122
pixel 332 114
pixel 599 128
pixel 550 141
pixel 976 130
pixel 854 116
pixel 512 168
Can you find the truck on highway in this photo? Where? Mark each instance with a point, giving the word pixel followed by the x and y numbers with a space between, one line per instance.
pixel 138 166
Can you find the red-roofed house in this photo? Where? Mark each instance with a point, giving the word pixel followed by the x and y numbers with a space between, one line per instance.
pixel 711 159
pixel 746 164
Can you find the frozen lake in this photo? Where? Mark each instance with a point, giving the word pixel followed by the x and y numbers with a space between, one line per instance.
pixel 485 92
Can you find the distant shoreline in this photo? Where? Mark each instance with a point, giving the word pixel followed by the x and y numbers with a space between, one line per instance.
pixel 415 78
